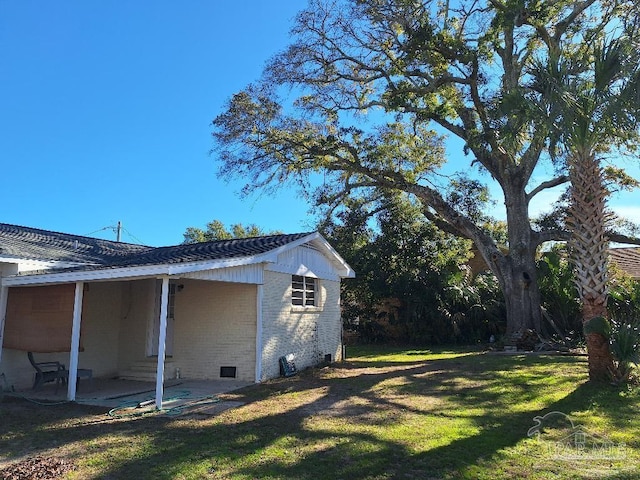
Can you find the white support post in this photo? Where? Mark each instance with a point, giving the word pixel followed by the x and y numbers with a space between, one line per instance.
pixel 4 294
pixel 259 297
pixel 72 379
pixel 162 339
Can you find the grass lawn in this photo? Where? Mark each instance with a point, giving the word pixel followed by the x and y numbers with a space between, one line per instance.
pixel 384 413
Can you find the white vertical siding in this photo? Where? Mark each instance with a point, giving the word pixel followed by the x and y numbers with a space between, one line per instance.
pixel 241 274
pixel 304 260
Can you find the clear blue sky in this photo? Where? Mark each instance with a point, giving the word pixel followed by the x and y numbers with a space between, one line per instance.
pixel 105 111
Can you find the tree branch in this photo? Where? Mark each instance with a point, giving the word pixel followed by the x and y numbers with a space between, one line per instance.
pixel 562 25
pixel 538 238
pixel 620 238
pixel 548 184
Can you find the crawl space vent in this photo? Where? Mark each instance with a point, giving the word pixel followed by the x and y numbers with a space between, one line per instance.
pixel 228 372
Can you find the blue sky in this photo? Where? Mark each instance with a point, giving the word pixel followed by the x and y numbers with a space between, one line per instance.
pixel 105 111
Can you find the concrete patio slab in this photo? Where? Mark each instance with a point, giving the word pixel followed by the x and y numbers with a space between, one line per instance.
pixel 124 397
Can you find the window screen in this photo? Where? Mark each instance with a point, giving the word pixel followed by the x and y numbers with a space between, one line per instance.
pixel 303 290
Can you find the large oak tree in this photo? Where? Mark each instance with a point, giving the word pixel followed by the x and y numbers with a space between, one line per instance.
pixel 352 105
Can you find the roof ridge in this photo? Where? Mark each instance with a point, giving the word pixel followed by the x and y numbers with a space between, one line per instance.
pixel 258 237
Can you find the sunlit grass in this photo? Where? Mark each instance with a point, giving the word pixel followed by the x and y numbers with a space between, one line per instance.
pixel 385 413
pixel 365 354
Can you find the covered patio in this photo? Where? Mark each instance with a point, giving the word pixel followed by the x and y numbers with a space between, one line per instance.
pixel 80 312
pixel 131 396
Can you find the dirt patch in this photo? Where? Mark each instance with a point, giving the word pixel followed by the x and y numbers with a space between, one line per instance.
pixel 36 468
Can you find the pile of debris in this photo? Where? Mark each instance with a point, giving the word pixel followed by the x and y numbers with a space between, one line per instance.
pixel 36 468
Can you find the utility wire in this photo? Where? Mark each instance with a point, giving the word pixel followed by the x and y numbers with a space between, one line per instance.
pixel 114 229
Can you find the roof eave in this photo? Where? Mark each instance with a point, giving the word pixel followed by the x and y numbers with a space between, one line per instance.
pixel 344 270
pixel 131 272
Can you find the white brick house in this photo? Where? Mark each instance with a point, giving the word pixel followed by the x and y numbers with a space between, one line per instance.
pixel 215 310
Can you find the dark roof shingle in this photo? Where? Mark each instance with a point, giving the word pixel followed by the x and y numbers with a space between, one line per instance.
pixel 34 244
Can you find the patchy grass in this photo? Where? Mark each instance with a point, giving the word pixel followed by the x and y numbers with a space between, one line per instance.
pixel 384 413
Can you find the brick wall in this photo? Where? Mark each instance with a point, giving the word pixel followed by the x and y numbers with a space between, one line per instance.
pixel 215 325
pixel 306 332
pixel 138 306
pixel 101 315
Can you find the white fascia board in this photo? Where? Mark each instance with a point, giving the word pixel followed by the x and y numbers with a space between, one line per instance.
pixel 345 269
pixel 130 273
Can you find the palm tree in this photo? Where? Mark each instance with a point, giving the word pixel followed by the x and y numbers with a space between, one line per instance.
pixel 592 97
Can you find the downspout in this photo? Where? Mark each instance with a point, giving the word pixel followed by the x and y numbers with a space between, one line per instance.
pixel 72 379
pixel 162 339
pixel 4 294
pixel 259 298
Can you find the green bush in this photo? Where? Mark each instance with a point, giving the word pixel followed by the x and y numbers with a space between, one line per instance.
pixel 598 325
pixel 625 347
pixel 559 297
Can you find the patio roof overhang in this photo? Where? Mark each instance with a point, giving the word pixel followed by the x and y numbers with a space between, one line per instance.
pixel 91 273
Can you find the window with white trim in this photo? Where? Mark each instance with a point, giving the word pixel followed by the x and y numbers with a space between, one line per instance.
pixel 303 291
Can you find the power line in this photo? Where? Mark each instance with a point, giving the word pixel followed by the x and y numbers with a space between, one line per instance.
pixel 117 229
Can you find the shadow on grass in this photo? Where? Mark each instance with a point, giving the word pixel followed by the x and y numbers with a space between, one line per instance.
pixel 355 422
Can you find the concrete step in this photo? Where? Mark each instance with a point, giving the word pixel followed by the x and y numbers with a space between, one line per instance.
pixel 145 371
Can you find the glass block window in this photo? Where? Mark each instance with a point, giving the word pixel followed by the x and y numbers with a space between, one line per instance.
pixel 303 291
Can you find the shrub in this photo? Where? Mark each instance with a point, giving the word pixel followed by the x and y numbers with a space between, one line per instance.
pixel 625 347
pixel 559 297
pixel 599 325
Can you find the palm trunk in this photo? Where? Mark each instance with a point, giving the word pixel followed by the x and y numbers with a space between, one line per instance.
pixel 588 219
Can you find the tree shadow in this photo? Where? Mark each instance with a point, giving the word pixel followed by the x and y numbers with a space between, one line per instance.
pixel 297 434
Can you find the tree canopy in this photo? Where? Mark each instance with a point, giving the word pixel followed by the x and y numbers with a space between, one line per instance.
pixel 413 283
pixel 216 230
pixel 362 97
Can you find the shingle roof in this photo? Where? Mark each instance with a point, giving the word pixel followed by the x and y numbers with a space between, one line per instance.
pixel 627 259
pixel 216 250
pixel 34 244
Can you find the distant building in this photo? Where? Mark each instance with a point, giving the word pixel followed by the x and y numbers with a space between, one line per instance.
pixel 626 259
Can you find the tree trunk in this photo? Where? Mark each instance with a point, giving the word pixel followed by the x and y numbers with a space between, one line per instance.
pixel 516 270
pixel 522 297
pixel 600 361
pixel 588 221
